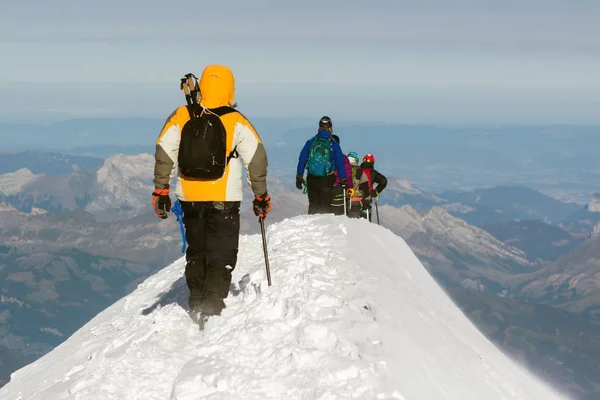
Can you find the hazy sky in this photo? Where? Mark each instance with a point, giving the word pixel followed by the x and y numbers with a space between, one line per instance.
pixel 416 62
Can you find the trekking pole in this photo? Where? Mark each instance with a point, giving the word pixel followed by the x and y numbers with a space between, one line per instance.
pixel 345 205
pixel 261 220
pixel 377 209
pixel 189 85
pixel 188 97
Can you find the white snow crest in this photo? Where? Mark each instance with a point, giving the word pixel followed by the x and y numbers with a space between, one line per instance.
pixel 351 314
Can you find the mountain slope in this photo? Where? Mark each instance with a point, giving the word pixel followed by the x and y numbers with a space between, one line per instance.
pixel 557 344
pixel 539 240
pixel 571 282
pixel 352 313
pixel 504 203
pixel 47 163
pixel 585 219
pixel 11 183
pixel 454 251
pixel 121 183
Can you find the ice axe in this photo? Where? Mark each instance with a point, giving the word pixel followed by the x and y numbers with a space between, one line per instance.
pixel 344 189
pixel 261 221
pixel 377 208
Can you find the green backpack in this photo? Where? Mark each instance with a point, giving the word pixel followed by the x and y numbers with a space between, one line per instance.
pixel 320 162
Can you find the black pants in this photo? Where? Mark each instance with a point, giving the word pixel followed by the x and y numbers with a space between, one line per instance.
pixel 337 200
pixel 320 192
pixel 354 211
pixel 212 231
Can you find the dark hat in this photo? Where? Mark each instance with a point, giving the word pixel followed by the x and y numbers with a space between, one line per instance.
pixel 325 123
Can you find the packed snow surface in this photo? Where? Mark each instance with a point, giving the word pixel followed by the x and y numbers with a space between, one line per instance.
pixel 351 314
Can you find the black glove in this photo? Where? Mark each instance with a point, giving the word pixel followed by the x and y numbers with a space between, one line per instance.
pixel 374 193
pixel 299 181
pixel 161 202
pixel 261 205
pixel 344 182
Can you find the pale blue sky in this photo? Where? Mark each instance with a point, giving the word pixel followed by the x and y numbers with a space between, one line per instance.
pixel 416 62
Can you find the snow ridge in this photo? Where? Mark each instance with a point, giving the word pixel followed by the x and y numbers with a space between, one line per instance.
pixel 352 313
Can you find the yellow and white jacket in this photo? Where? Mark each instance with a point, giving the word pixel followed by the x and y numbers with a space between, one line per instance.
pixel 217 87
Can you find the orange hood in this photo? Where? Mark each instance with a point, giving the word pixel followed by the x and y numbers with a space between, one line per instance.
pixel 217 86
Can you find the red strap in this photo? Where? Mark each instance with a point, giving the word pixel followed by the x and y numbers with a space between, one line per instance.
pixel 367 172
pixel 160 192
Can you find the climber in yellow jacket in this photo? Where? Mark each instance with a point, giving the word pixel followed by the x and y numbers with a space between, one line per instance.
pixel 211 206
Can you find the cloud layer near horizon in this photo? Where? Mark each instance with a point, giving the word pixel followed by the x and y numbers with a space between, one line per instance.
pixel 448 48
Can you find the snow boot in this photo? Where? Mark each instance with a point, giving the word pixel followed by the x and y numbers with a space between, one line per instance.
pixel 201 308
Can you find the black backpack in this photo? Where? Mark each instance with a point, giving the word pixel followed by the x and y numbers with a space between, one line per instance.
pixel 203 146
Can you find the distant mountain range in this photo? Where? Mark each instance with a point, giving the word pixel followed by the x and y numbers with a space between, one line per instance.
pixel 540 241
pixel 41 162
pixel 561 346
pixel 559 160
pixel 586 218
pixel 72 243
pixel 118 183
pixel 497 204
pixel 571 282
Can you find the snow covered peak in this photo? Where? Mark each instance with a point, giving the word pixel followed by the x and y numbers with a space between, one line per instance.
pixel 594 204
pixel 407 187
pixel 351 313
pixel 6 207
pixel 12 182
pixel 122 181
pixel 124 167
pixel 37 211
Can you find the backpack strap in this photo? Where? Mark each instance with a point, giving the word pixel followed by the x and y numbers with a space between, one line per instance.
pixel 223 110
pixel 233 154
pixel 220 111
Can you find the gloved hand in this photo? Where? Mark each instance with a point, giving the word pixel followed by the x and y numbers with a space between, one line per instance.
pixel 161 202
pixel 374 193
pixel 299 181
pixel 366 204
pixel 344 182
pixel 261 205
pixel 351 192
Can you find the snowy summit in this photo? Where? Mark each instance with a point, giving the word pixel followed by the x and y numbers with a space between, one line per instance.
pixel 351 314
pixel 594 203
